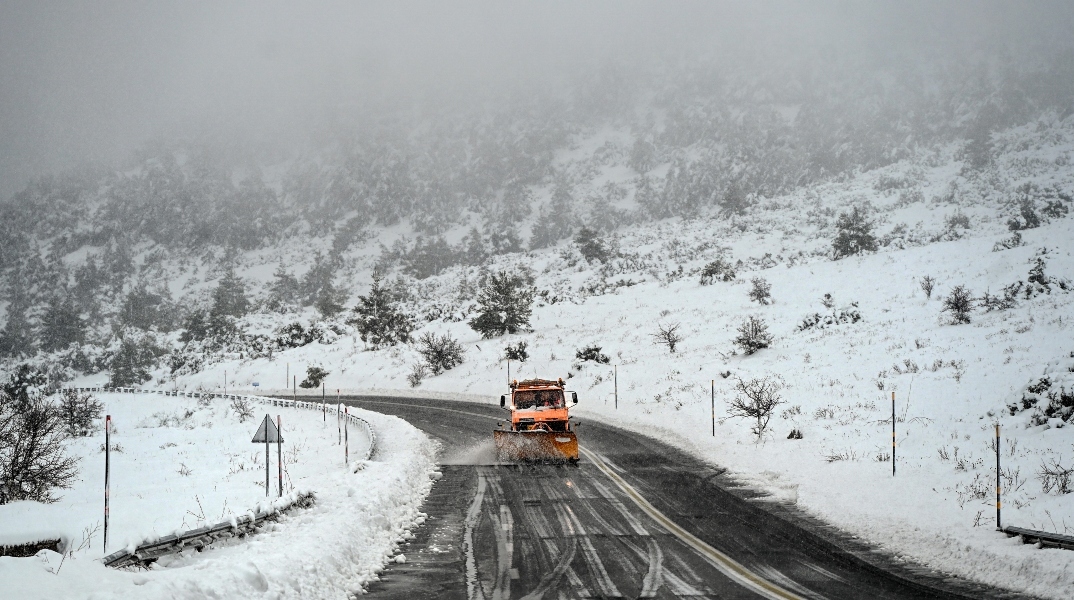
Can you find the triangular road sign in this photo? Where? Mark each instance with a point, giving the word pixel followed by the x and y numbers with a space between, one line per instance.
pixel 267 432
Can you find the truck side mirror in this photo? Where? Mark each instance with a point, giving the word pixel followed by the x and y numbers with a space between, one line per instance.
pixel 503 401
pixel 574 397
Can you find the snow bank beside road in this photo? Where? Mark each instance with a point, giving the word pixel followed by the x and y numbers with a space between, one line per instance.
pixel 327 551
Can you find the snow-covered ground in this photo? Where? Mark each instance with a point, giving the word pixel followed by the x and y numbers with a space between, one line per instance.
pixel 178 464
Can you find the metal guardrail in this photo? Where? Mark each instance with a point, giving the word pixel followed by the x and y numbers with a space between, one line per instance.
pixel 1041 538
pixel 198 538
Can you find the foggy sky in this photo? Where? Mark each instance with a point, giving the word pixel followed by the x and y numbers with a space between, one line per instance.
pixel 90 81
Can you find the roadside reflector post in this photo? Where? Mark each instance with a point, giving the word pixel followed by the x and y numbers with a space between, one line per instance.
pixel 893 433
pixel 339 429
pixel 279 451
pixel 713 408
pixel 346 436
pixel 999 488
pixel 294 390
pixel 107 452
pixel 615 380
pixel 324 412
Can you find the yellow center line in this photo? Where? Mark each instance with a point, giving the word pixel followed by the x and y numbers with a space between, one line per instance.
pixel 727 565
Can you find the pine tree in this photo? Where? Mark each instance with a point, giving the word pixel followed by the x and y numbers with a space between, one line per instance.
pixel 378 318
pixel 61 325
pixel 229 297
pixel 554 221
pixel 855 234
pixel 330 300
pixel 505 304
pixel 284 289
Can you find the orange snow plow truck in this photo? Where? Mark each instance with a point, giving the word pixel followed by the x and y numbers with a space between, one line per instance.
pixel 540 428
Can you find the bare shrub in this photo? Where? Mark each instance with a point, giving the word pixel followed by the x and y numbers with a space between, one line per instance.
pixel 79 410
pixel 761 292
pixel 1054 476
pixel 927 283
pixel 243 409
pixel 418 372
pixel 667 335
pixel 753 335
pixel 32 459
pixel 959 303
pixel 756 399
pixel 441 353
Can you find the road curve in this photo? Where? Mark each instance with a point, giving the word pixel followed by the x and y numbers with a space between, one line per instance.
pixel 635 518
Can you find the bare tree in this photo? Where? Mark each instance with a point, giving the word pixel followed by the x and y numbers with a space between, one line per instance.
pixel 667 335
pixel 927 283
pixel 756 399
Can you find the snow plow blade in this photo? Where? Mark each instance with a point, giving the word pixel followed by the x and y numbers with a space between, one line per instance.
pixel 536 446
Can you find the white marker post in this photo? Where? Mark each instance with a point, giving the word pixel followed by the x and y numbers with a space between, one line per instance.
pixel 346 436
pixel 267 433
pixel 107 453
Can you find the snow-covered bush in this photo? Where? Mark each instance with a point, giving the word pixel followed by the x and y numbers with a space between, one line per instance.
pixel 717 270
pixel 848 314
pixel 591 353
pixel 516 352
pixel 243 409
pixel 959 303
pixel 927 283
pixel 1050 396
pixel 418 372
pixel 761 291
pixel 441 352
pixel 314 377
pixel 753 335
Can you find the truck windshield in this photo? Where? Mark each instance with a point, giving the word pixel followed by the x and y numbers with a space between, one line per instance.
pixel 539 399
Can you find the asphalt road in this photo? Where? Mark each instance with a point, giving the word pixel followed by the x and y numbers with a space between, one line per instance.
pixel 634 519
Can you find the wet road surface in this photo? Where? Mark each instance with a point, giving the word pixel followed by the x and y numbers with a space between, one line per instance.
pixel 634 519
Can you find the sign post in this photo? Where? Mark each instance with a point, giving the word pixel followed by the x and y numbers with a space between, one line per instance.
pixel 266 434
